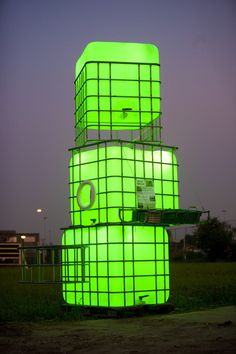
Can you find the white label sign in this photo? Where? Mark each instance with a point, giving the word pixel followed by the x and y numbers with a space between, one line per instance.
pixel 145 194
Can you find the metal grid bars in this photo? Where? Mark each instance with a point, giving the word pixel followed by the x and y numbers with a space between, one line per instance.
pixel 117 100
pixel 53 264
pixel 106 177
pixel 126 266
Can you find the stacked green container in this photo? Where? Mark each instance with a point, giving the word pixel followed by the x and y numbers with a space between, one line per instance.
pixel 122 262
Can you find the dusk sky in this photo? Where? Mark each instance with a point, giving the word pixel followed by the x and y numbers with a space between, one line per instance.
pixel 40 43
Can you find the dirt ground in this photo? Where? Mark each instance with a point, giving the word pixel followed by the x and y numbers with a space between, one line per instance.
pixel 211 331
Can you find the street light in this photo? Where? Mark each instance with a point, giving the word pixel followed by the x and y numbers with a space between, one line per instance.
pixel 23 237
pixel 39 211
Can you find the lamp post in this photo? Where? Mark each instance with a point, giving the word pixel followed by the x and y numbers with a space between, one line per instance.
pixel 22 251
pixel 40 211
pixel 23 237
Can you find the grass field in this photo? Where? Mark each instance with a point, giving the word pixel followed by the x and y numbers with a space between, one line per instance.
pixel 193 286
pixel 202 285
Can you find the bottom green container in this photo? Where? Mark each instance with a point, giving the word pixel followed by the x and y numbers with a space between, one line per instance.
pixel 116 266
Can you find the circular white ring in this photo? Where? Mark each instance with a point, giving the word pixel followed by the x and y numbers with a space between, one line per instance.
pixel 92 195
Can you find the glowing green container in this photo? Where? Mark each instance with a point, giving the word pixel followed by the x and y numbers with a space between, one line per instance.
pixel 122 262
pixel 121 266
pixel 114 172
pixel 117 86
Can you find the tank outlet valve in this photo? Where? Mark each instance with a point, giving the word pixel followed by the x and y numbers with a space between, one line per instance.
pixel 141 302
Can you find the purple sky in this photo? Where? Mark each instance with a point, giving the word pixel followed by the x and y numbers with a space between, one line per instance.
pixel 40 42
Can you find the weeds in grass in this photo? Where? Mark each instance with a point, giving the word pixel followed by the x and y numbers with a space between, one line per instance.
pixel 193 286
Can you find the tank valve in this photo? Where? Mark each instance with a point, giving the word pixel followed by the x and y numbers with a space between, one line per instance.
pixel 141 302
pixel 125 112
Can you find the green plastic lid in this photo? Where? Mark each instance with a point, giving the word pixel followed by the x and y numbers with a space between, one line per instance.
pixel 118 52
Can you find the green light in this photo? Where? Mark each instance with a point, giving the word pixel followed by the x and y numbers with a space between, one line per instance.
pixel 117 86
pixel 113 171
pixel 121 264
pixel 117 51
pixel 121 261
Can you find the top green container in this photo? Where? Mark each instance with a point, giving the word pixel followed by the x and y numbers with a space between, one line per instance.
pixel 117 86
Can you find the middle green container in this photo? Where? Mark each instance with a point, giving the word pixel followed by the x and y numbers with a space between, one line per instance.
pixel 116 173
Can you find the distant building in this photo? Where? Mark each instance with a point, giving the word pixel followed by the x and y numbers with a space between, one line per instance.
pixel 10 243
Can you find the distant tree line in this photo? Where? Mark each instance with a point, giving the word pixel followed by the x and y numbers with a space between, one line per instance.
pixel 212 241
pixel 216 239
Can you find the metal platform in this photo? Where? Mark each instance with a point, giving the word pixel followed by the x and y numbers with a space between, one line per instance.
pixel 163 217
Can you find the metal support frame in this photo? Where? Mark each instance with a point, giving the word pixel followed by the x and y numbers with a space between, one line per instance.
pixel 88 131
pixel 53 264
